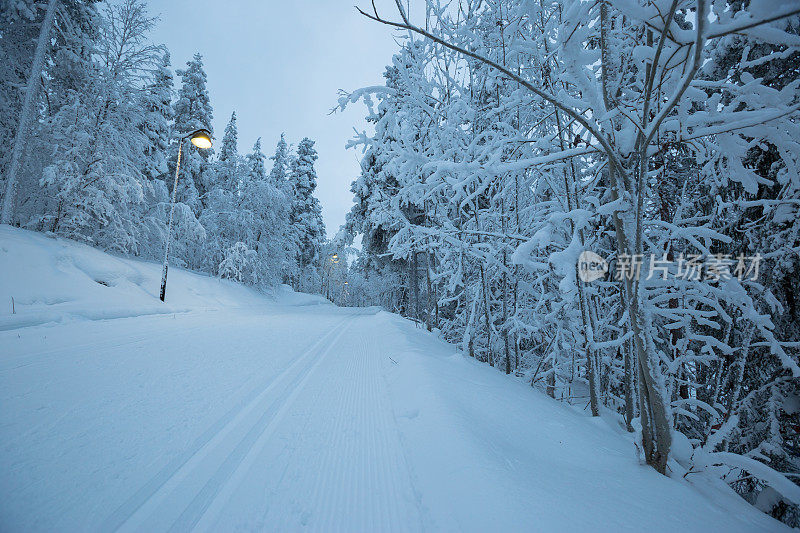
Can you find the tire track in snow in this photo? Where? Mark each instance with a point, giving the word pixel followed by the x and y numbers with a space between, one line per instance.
pixel 146 502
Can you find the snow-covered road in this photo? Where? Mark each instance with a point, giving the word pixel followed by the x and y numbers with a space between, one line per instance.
pixel 243 412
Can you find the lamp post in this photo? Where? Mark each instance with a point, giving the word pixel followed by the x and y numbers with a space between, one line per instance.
pixel 327 271
pixel 201 139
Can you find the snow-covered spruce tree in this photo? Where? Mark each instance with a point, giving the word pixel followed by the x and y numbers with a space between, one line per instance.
pixel 370 216
pixel 192 112
pixel 270 208
pixel 156 120
pixel 230 141
pixel 283 233
pixel 306 215
pixel 376 213
pixel 561 126
pixel 222 215
pixel 246 218
pixel 279 174
pixel 227 168
pixel 156 102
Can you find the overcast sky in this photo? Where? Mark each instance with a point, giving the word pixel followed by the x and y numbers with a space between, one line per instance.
pixel 279 65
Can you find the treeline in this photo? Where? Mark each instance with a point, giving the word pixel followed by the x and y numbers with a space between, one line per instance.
pixel 513 136
pixel 97 161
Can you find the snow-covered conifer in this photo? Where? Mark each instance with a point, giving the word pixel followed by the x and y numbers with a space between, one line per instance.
pixel 306 214
pixel 192 112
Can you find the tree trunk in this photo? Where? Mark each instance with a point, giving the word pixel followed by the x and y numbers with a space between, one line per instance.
pixel 487 316
pixel 505 316
pixel 429 315
pixel 551 379
pixel 57 218
pixel 415 282
pixel 653 407
pixel 628 385
pixel 469 333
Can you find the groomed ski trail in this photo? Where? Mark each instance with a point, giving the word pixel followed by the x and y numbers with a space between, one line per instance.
pixel 220 452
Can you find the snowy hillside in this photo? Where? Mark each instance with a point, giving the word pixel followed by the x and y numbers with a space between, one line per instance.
pixel 59 280
pixel 226 408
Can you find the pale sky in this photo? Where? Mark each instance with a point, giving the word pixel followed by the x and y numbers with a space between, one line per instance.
pixel 280 65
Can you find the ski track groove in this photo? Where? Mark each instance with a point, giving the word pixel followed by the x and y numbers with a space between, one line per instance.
pixel 158 489
pixel 226 481
pixel 339 464
pixel 291 452
pixel 355 476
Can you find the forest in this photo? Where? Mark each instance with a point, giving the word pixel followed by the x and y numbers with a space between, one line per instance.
pixel 94 159
pixel 511 136
pixel 597 198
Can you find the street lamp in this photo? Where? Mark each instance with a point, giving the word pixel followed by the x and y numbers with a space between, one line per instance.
pixel 201 139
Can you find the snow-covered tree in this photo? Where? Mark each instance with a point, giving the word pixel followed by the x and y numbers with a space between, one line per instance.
pixel 270 208
pixel 245 217
pixel 306 212
pixel 279 174
pixel 279 178
pixel 20 26
pixel 96 175
pixel 192 112
pixel 227 167
pixel 14 163
pixel 221 216
pixel 230 140
pixel 157 118
pixel 239 264
pixel 517 135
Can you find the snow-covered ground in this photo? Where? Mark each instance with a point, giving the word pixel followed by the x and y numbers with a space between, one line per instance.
pixel 225 408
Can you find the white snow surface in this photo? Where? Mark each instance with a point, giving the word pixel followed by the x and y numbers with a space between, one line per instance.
pixel 226 409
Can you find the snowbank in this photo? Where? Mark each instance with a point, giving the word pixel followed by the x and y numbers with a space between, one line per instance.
pixel 479 440
pixel 45 279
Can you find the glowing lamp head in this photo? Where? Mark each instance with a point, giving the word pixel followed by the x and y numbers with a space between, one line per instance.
pixel 335 258
pixel 201 139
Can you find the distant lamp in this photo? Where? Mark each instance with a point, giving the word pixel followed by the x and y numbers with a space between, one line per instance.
pixel 201 139
pixel 335 258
